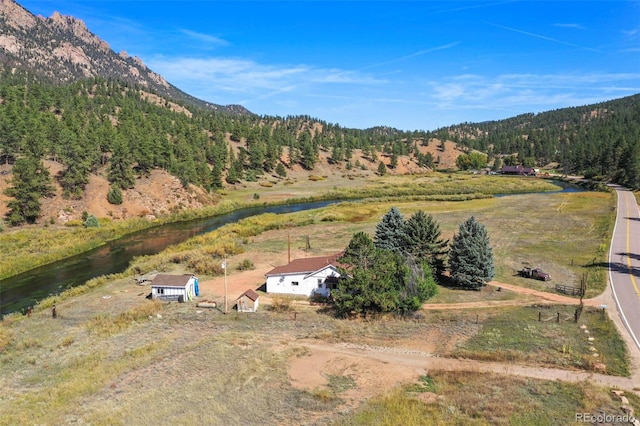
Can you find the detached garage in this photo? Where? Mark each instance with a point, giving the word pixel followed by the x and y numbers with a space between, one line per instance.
pixel 178 288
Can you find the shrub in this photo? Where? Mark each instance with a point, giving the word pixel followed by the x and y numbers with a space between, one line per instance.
pixel 91 222
pixel 246 265
pixel 114 196
pixel 281 303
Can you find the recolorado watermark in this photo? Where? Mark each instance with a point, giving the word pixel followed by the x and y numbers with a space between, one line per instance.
pixel 604 418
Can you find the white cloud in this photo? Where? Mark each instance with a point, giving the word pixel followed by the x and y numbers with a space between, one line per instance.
pixel 243 76
pixel 206 38
pixel 572 26
pixel 526 92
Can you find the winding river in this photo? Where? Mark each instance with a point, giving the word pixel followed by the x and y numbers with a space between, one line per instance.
pixel 23 290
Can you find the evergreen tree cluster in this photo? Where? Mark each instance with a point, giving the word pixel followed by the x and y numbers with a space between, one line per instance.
pixel 397 270
pixel 600 140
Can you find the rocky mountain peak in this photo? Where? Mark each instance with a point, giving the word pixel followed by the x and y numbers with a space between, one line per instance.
pixel 15 15
pixel 61 49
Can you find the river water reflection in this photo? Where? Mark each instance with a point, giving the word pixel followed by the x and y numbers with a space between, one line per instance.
pixel 20 291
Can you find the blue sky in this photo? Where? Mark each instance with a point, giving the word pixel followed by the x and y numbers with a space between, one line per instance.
pixel 410 65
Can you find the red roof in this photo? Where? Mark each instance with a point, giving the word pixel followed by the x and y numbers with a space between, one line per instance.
pixel 306 265
pixel 166 280
pixel 250 294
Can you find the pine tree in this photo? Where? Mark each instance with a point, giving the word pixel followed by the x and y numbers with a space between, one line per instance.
pixel 421 240
pixel 216 177
pixel 377 280
pixel 382 169
pixel 390 231
pixel 360 251
pixel 30 182
pixel 280 170
pixel 120 171
pixel 471 256
pixel 372 290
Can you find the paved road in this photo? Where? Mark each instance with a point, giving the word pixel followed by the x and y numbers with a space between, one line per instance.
pixel 624 262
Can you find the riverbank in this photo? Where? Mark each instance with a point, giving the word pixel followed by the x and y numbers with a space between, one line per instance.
pixel 29 247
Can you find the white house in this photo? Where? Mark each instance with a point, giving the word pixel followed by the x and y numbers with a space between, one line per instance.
pixel 174 287
pixel 305 277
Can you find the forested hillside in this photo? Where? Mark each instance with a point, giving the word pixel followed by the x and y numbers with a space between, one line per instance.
pixel 68 100
pixel 99 124
pixel 601 140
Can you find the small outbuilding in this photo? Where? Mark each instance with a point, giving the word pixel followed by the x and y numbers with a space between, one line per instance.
pixel 178 288
pixel 248 301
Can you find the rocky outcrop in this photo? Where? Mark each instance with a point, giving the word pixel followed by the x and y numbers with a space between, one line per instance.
pixel 61 49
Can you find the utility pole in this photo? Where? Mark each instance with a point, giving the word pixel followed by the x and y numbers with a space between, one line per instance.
pixel 224 266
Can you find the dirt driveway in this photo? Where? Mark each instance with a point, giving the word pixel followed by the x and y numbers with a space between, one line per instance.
pixel 377 369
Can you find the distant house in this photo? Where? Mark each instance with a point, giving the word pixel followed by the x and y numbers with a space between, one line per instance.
pixel 174 287
pixel 305 277
pixel 248 301
pixel 518 170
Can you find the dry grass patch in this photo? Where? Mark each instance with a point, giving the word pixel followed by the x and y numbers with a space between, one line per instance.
pixel 485 399
pixel 106 325
pixel 514 334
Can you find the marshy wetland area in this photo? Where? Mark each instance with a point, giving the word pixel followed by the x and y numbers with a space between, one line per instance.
pixel 511 353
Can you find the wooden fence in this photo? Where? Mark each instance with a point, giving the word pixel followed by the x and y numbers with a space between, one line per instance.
pixel 570 290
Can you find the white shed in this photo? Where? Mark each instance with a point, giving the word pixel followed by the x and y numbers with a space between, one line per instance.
pixel 305 277
pixel 174 287
pixel 248 301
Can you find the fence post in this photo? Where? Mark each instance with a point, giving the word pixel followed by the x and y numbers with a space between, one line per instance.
pixel 558 318
pixel 539 316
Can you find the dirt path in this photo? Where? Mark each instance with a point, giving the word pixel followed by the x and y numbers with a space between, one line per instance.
pixel 537 296
pixel 381 368
pixel 327 359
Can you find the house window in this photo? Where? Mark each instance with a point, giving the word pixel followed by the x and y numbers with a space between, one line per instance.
pixel 295 283
pixel 320 283
pixel 161 291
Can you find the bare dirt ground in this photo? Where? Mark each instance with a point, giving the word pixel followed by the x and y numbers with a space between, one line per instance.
pixel 383 368
pixel 376 369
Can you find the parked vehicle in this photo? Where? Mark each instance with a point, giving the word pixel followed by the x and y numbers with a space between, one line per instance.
pixel 535 273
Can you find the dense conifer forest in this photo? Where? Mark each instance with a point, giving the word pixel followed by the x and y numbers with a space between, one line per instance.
pixel 598 141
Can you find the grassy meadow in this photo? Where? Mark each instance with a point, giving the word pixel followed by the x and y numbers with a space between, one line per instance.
pixel 114 358
pixel 566 234
pixel 128 360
